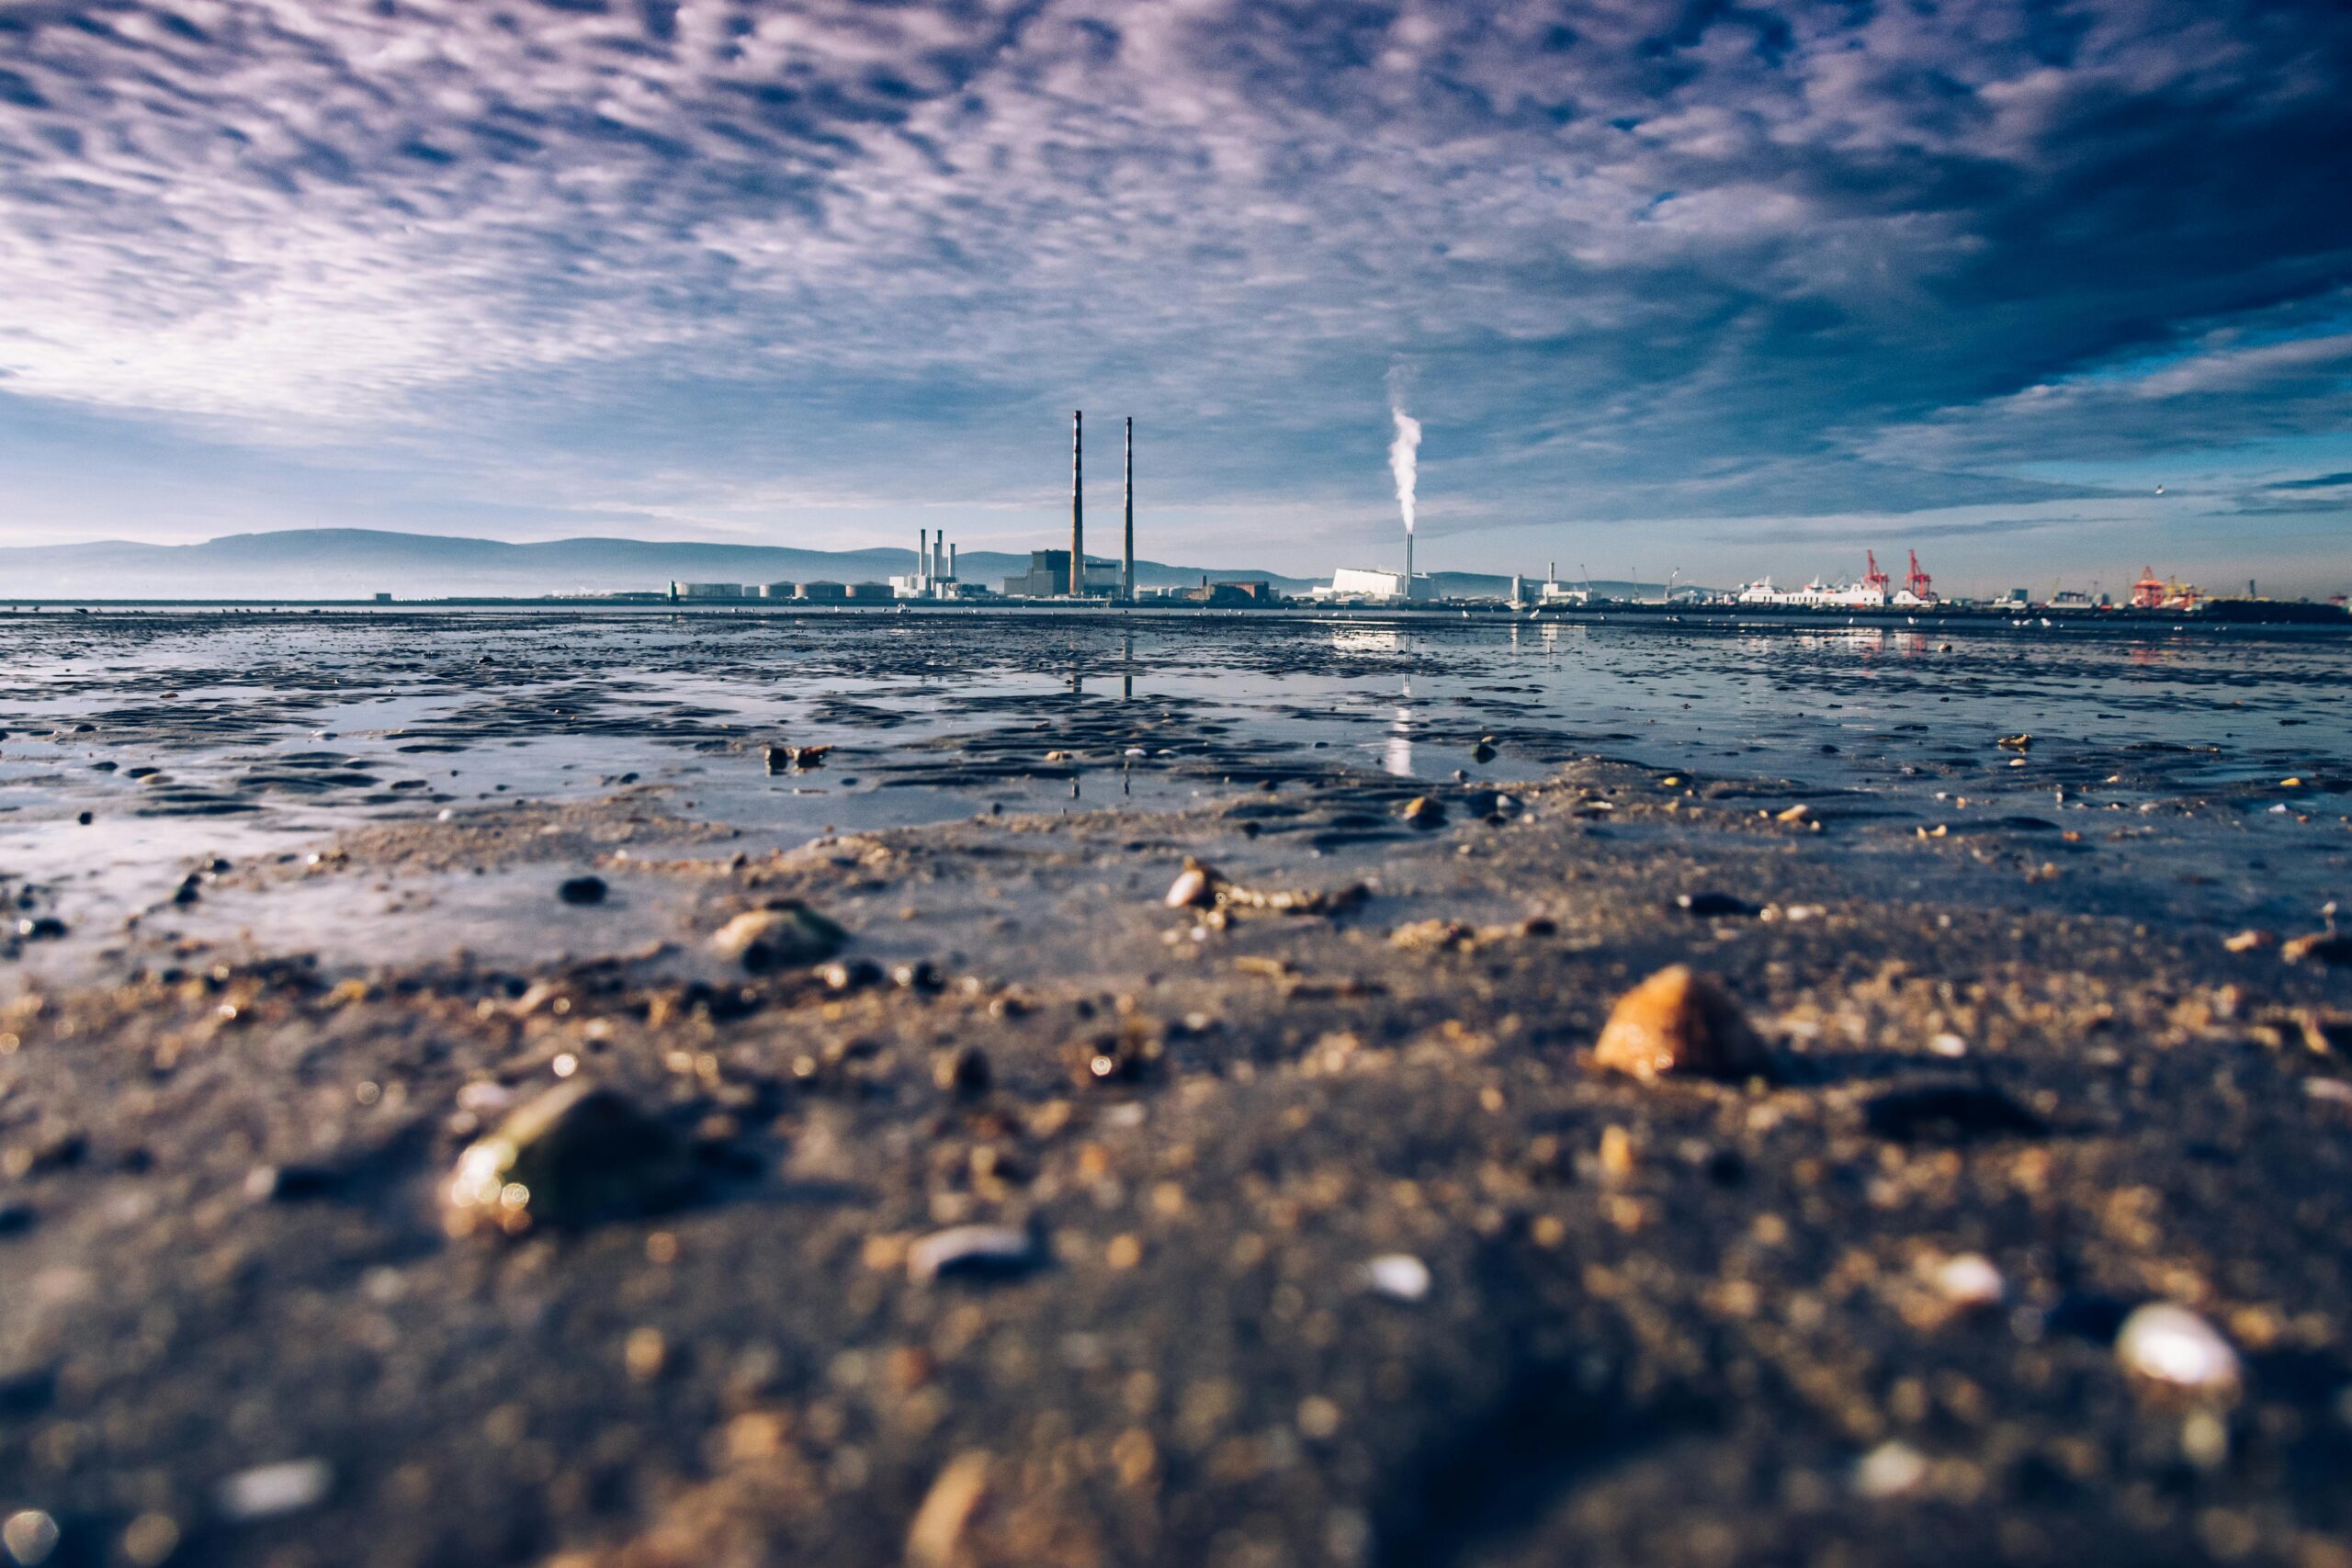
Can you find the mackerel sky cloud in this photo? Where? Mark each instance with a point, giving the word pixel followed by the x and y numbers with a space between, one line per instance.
pixel 1722 287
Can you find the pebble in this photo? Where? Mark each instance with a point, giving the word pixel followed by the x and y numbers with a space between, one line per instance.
pixel 2250 940
pixel 268 1491
pixel 582 890
pixel 1423 812
pixel 2171 1345
pixel 29 1536
pixel 1681 1022
pixel 1399 1276
pixel 1969 1280
pixel 150 1539
pixel 575 1155
pixel 2325 946
pixel 963 1072
pixel 935 1539
pixel 778 938
pixel 1195 887
pixel 972 1250
pixel 1889 1470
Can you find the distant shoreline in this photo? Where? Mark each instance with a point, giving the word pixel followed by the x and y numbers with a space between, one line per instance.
pixel 2298 617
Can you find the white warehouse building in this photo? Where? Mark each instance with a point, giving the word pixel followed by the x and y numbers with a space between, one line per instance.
pixel 1370 583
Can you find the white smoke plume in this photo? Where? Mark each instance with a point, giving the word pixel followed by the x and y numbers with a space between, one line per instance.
pixel 1405 459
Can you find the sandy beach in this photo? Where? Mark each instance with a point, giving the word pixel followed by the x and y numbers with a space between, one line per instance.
pixel 597 1174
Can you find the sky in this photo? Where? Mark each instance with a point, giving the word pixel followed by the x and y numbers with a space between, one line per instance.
pixel 2045 291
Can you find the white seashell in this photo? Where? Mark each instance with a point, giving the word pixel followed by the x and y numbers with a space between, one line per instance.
pixel 1399 1276
pixel 2172 1345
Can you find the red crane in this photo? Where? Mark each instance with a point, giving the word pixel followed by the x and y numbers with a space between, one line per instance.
pixel 1875 578
pixel 1920 584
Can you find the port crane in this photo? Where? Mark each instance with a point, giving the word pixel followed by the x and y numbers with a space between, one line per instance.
pixel 1920 584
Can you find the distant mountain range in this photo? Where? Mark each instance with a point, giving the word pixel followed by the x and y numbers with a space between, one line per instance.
pixel 355 563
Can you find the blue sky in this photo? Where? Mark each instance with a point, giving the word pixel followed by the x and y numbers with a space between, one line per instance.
pixel 1728 289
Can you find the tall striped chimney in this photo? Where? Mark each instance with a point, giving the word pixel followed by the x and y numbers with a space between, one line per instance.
pixel 1077 505
pixel 1127 560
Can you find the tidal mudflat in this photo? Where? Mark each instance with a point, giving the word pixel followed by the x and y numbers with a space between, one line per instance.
pixel 649 1089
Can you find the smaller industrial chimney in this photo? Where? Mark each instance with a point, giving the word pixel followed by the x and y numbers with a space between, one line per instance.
pixel 1127 561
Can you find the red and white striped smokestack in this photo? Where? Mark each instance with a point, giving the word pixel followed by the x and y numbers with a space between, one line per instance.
pixel 1077 503
pixel 1127 556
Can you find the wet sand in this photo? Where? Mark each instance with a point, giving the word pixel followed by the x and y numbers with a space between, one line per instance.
pixel 1326 1239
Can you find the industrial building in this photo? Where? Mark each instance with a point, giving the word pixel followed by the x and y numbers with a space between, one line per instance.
pixel 779 590
pixel 1372 585
pixel 1048 577
pixel 706 591
pixel 934 573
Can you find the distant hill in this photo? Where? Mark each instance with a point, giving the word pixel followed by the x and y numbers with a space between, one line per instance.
pixel 354 563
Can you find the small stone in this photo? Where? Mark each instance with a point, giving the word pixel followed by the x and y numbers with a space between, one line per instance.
pixel 2325 946
pixel 151 1540
pixel 1195 887
pixel 2251 939
pixel 1399 1276
pixel 1889 1470
pixel 1482 753
pixel 2016 742
pixel 269 1491
pixel 1796 813
pixel 784 936
pixel 582 890
pixel 575 1155
pixel 29 1536
pixel 974 1250
pixel 1970 1281
pixel 645 1353
pixel 963 1072
pixel 935 1539
pixel 779 757
pixel 1680 1022
pixel 2171 1345
pixel 1424 813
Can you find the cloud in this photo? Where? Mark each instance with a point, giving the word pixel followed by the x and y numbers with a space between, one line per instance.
pixel 1651 258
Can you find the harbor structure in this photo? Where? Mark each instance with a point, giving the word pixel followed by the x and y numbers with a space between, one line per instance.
pixel 1868 593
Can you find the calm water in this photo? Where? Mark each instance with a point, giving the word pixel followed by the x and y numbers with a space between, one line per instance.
pixel 265 733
